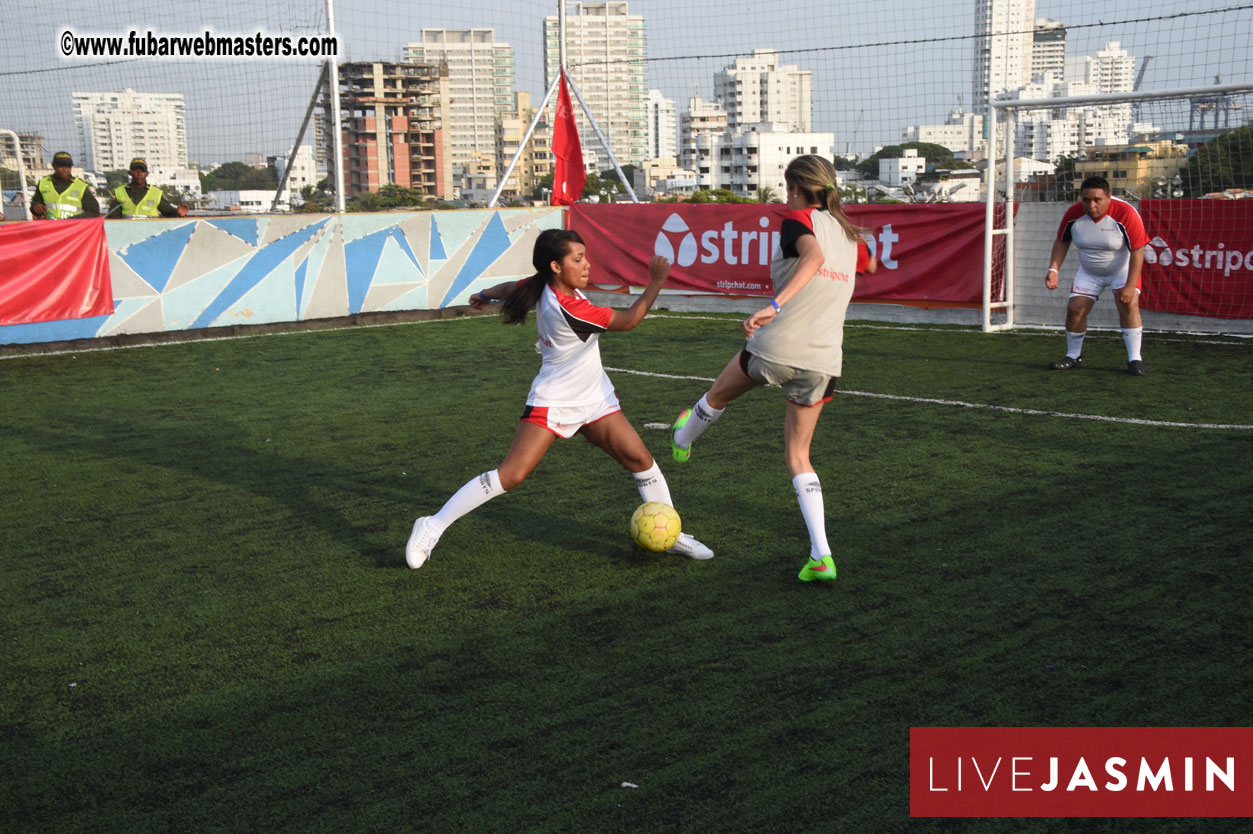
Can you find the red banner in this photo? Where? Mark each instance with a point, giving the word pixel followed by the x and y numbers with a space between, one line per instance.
pixel 54 270
pixel 1080 771
pixel 927 253
pixel 1199 260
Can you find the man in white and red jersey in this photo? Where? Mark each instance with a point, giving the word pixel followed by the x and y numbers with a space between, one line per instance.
pixel 1111 240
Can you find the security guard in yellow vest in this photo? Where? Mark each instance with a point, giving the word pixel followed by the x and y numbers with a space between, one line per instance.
pixel 138 199
pixel 62 194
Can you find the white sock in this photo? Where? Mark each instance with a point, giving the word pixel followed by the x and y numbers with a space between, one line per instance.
pixel 652 485
pixel 1074 344
pixel 1131 338
pixel 809 494
pixel 703 416
pixel 474 494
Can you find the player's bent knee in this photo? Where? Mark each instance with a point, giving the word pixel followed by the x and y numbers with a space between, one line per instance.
pixel 509 480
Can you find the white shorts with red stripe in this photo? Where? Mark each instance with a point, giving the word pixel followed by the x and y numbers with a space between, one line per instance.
pixel 565 421
pixel 1091 286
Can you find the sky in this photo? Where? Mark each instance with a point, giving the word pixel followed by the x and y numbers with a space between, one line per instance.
pixel 878 66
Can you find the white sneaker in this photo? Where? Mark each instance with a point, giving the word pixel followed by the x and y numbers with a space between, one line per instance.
pixel 691 548
pixel 421 541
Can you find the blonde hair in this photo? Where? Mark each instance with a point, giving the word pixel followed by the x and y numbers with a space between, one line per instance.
pixel 814 177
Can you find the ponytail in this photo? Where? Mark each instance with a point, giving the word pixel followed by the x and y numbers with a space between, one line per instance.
pixel 522 300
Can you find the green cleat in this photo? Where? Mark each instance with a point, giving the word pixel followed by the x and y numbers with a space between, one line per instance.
pixel 818 570
pixel 680 454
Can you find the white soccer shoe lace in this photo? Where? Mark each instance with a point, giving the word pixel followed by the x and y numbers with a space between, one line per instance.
pixel 421 541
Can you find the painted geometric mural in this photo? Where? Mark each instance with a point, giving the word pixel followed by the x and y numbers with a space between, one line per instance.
pixel 193 273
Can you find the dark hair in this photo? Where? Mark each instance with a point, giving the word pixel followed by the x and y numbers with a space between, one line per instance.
pixel 551 245
pixel 1095 182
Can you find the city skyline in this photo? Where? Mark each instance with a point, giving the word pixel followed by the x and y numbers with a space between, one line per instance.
pixel 852 71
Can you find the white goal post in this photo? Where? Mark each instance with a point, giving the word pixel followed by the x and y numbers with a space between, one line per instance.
pixel 1002 123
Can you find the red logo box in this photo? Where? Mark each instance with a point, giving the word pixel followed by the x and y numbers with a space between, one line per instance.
pixel 1081 771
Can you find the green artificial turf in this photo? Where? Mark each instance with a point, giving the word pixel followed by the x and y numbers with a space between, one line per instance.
pixel 208 624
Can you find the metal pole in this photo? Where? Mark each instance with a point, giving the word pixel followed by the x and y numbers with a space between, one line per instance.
pixel 603 141
pixel 539 114
pixel 1011 127
pixel 989 178
pixel 300 135
pixel 561 39
pixel 21 172
pixel 336 121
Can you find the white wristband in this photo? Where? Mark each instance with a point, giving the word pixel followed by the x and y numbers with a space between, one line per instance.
pixel 1052 269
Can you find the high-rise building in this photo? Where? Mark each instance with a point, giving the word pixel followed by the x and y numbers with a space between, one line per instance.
pixel 1048 49
pixel 536 160
pixel 115 127
pixel 1049 133
pixel 481 78
pixel 1003 48
pixel 32 156
pixel 662 127
pixel 701 129
pixel 605 52
pixel 758 90
pixel 1111 69
pixel 393 117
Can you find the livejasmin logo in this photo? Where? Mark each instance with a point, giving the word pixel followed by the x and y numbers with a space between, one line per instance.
pixel 742 247
pixel 1228 260
pixel 1080 771
pixel 1023 774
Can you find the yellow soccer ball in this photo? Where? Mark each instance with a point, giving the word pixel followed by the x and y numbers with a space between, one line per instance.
pixel 655 526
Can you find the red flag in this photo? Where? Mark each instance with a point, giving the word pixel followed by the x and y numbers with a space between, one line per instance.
pixel 568 175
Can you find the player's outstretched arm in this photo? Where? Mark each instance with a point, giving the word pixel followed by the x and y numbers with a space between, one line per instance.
pixel 658 272
pixel 499 292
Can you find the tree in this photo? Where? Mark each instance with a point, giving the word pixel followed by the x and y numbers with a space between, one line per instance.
pixel 717 195
pixel 1221 163
pixel 937 156
pixel 315 198
pixel 238 176
pixel 766 195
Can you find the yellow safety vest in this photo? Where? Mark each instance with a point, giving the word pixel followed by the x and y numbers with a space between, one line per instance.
pixel 69 203
pixel 147 205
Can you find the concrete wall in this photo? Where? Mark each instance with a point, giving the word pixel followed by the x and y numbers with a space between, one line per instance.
pixel 193 273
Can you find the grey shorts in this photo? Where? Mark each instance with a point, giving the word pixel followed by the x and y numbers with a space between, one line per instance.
pixel 802 387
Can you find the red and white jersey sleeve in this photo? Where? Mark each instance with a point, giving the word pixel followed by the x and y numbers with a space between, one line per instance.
pixel 1104 245
pixel 569 342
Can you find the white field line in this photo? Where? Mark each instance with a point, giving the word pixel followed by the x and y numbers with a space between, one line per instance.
pixel 1034 330
pixel 728 317
pixel 170 343
pixel 957 403
pixel 984 406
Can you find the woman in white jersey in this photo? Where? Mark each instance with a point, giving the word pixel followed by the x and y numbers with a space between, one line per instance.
pixel 570 395
pixel 797 341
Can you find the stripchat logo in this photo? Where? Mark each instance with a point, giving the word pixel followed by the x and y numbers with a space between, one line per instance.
pixel 1161 253
pixel 678 243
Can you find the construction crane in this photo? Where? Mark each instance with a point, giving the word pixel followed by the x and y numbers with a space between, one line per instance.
pixel 1144 66
pixel 848 146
